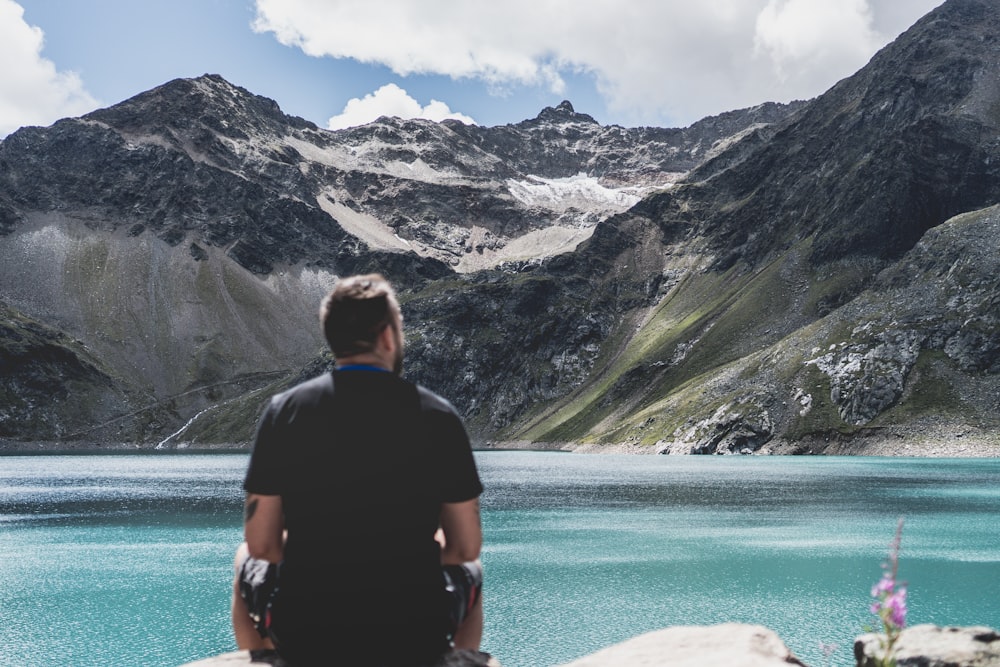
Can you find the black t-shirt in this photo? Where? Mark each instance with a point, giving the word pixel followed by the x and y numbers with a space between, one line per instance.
pixel 362 461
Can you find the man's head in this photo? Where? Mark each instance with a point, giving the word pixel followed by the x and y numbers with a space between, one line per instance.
pixel 361 317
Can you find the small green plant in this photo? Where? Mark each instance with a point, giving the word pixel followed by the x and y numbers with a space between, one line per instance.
pixel 890 601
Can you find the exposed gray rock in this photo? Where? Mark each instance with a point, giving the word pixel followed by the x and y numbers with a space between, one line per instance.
pixel 739 427
pixel 866 378
pixel 943 297
pixel 949 285
pixel 934 646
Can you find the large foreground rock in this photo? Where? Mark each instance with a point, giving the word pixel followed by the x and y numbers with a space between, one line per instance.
pixel 460 658
pixel 934 646
pixel 733 645
pixel 728 645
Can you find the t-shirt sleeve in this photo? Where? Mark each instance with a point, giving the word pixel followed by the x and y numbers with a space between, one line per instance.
pixel 264 473
pixel 459 479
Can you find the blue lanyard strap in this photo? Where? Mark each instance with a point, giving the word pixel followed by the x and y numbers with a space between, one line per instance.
pixel 362 367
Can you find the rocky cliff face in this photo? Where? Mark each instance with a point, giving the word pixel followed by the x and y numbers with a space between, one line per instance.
pixel 186 235
pixel 764 278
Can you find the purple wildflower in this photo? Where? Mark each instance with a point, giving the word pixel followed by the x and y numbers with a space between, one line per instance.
pixel 890 599
pixel 885 585
pixel 896 604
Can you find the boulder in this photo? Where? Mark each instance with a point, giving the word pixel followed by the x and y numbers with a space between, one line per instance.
pixel 934 646
pixel 728 645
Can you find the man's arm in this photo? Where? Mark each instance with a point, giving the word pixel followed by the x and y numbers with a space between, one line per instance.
pixel 463 533
pixel 263 527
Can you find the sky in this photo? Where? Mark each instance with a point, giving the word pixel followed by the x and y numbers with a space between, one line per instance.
pixel 339 63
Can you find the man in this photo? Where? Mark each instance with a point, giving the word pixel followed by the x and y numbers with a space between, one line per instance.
pixel 363 487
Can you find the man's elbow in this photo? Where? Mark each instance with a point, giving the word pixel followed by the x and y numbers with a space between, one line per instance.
pixel 456 553
pixel 468 553
pixel 271 554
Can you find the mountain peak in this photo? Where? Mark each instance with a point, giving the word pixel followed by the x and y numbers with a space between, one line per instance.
pixel 208 100
pixel 564 112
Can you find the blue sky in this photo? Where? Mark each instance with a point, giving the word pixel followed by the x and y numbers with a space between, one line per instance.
pixel 344 62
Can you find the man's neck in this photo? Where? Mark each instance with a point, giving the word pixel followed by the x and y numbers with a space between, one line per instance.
pixel 363 361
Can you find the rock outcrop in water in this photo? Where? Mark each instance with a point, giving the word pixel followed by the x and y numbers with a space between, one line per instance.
pixel 782 278
pixel 933 646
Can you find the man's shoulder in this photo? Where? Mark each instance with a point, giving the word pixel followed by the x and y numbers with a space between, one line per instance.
pixel 306 391
pixel 323 386
pixel 434 402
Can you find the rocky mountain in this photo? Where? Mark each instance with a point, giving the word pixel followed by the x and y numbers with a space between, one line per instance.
pixel 183 238
pixel 782 278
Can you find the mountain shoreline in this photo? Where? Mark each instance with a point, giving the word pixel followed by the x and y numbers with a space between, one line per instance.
pixel 932 438
pixel 937 440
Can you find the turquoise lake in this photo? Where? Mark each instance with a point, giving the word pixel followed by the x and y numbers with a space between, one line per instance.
pixel 125 559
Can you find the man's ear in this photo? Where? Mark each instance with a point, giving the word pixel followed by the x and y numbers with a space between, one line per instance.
pixel 387 339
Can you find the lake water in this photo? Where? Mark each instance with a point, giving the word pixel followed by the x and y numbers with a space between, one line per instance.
pixel 125 559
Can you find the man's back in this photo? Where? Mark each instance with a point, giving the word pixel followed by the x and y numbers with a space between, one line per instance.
pixel 362 461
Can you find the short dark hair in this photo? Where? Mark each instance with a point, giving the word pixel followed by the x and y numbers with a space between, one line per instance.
pixel 356 311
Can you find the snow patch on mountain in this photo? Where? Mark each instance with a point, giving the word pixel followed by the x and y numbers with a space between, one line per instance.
pixel 581 192
pixel 534 245
pixel 372 159
pixel 368 228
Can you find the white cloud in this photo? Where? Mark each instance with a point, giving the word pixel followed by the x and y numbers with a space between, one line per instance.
pixel 651 60
pixel 805 37
pixel 391 100
pixel 431 36
pixel 32 92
